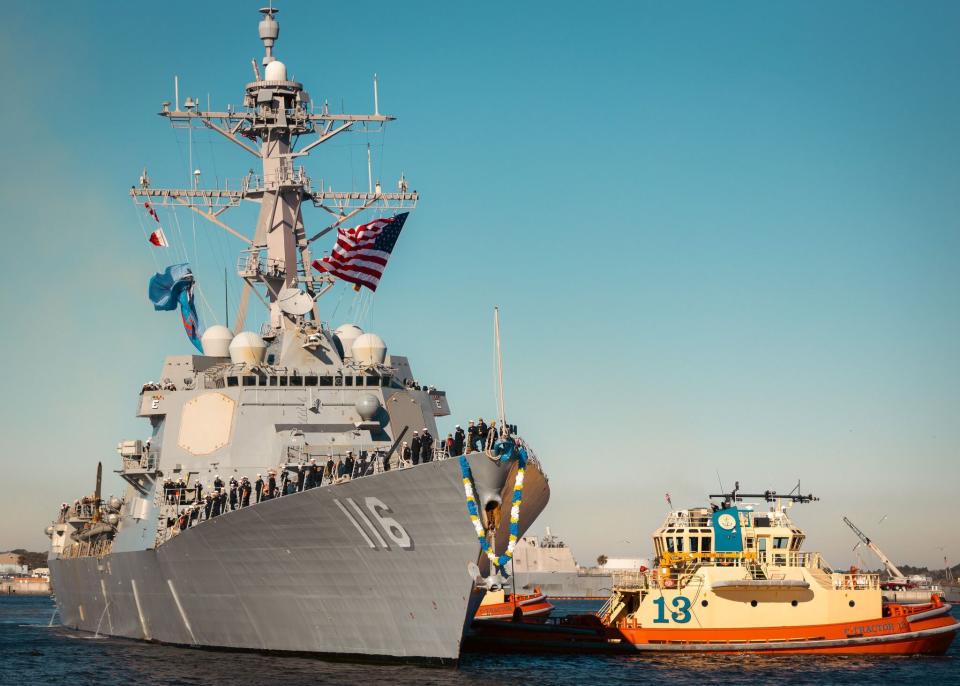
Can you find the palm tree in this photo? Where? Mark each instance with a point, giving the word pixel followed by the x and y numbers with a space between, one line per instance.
pixel 602 560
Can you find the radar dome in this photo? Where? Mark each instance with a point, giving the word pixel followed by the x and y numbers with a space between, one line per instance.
pixel 369 349
pixel 114 502
pixel 344 336
pixel 216 341
pixel 247 348
pixel 275 71
pixel 367 407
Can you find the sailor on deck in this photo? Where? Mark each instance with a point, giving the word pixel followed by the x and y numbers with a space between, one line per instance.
pixel 426 446
pixel 415 448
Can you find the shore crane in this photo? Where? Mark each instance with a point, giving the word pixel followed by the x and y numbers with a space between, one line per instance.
pixel 892 570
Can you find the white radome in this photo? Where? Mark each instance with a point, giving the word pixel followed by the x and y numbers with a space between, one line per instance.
pixel 247 348
pixel 369 349
pixel 216 341
pixel 345 335
pixel 275 71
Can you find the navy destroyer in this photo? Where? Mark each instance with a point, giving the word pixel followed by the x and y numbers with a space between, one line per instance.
pixel 276 505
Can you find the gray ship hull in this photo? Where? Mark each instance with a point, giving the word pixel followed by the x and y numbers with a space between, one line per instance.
pixel 313 572
pixel 565 584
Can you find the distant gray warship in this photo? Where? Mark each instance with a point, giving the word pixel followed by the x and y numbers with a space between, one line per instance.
pixel 384 559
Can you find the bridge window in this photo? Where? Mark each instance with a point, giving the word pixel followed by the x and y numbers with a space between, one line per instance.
pixel 373 381
pixel 232 381
pixel 338 381
pixel 669 540
pixel 273 381
pixel 262 381
pixel 384 381
pixel 326 380
pixel 348 381
pixel 310 380
pixel 780 542
pixel 249 381
pixel 283 380
pixel 707 544
pixel 679 544
pixel 296 380
pixel 694 544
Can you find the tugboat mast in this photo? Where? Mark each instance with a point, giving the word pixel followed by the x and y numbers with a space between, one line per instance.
pixel 278 113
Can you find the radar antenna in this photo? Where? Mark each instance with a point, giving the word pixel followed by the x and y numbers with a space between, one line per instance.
pixel 735 496
pixel 277 116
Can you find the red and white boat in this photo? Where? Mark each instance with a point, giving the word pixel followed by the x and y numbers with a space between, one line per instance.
pixel 500 605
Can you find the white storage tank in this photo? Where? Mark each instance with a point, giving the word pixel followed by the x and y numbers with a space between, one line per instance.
pixel 216 341
pixel 247 348
pixel 369 349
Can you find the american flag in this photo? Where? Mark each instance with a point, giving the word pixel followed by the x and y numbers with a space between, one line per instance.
pixel 361 253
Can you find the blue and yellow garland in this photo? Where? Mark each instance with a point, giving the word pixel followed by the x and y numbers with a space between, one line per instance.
pixel 500 562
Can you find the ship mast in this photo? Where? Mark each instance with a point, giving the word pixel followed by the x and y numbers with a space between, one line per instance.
pixel 277 115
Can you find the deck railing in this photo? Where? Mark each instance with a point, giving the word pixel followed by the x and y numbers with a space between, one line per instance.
pixel 295 457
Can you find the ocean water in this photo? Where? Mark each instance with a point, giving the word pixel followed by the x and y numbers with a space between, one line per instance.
pixel 32 652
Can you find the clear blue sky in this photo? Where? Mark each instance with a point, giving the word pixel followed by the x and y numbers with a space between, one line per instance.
pixel 724 236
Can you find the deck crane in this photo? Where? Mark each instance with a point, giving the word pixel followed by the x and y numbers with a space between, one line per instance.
pixel 895 574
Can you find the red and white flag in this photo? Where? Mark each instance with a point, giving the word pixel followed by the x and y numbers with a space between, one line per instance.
pixel 361 253
pixel 152 212
pixel 159 238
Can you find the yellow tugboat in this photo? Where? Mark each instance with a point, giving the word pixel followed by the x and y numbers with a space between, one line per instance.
pixel 733 578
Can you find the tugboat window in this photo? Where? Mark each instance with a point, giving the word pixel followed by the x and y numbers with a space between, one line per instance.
pixel 707 544
pixel 704 603
pixel 753 603
pixel 793 603
pixel 694 544
pixel 670 548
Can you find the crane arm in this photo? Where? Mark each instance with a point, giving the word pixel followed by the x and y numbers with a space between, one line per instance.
pixel 891 568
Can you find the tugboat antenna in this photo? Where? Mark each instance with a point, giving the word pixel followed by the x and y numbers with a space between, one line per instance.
pixel 735 496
